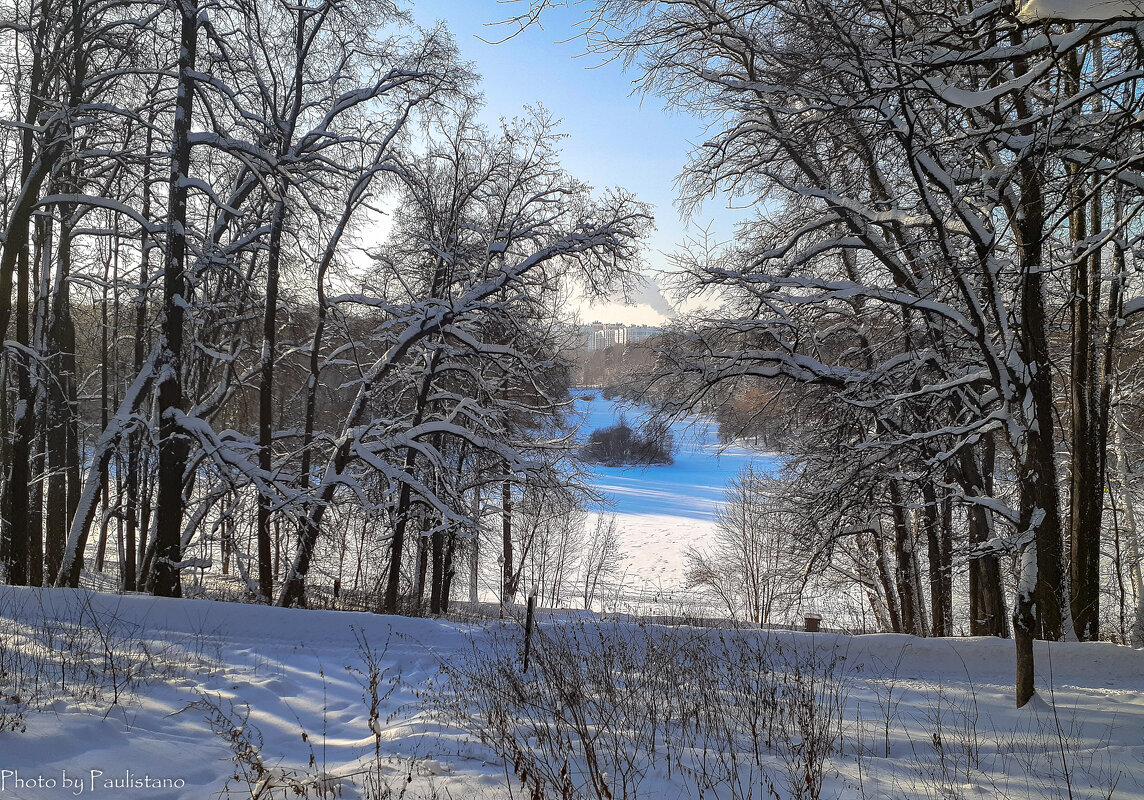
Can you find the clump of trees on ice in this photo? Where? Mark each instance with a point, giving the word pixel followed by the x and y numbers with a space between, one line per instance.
pixel 620 445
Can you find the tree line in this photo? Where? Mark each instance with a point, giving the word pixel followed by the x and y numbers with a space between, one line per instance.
pixel 937 287
pixel 204 367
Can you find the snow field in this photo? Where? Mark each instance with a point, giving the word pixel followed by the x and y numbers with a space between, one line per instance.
pixel 288 694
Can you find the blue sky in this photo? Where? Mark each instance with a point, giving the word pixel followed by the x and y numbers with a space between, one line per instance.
pixel 615 138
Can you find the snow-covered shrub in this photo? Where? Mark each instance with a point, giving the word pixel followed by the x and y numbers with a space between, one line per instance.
pixel 79 648
pixel 620 445
pixel 612 710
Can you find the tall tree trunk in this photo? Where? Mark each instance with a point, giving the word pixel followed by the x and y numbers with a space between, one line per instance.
pixel 475 552
pixel 1124 503
pixel 906 572
pixel 40 449
pixel 869 569
pixel 508 587
pixel 1025 622
pixel 173 445
pixel 135 438
pixel 1086 481
pixel 886 578
pixel 940 552
pixel 266 396
pixel 270 317
pixel 1041 599
pixel 104 397
pixel 62 455
pixel 420 569
pixel 449 571
pixel 1037 471
pixel 437 580
pixel 986 593
pixel 34 169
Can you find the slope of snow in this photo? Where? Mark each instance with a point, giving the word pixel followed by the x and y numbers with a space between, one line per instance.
pixel 300 674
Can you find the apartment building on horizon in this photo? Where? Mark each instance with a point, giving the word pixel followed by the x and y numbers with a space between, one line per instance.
pixel 605 335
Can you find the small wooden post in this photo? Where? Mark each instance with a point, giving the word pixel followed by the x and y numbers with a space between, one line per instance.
pixel 529 618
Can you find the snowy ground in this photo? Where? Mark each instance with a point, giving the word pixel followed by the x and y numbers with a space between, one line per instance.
pixel 941 708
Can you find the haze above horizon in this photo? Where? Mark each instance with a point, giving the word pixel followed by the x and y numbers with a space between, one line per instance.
pixel 614 137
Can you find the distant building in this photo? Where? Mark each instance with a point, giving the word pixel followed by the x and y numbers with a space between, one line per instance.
pixel 641 333
pixel 605 335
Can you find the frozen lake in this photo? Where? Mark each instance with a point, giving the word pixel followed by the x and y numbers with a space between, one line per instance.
pixel 691 488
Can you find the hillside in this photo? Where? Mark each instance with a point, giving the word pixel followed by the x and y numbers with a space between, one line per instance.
pixel 129 686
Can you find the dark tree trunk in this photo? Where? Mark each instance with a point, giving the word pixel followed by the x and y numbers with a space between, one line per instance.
pixel 1024 630
pixel 62 410
pixel 173 445
pixel 508 588
pixel 104 399
pixel 940 552
pixel 14 257
pixel 1039 502
pixel 21 530
pixel 450 571
pixel 135 438
pixel 39 462
pixel 1086 480
pixel 266 397
pixel 1037 470
pixel 421 570
pixel 437 579
pixel 886 578
pixel 906 573
pixel 1089 425
pixel 475 552
pixel 987 616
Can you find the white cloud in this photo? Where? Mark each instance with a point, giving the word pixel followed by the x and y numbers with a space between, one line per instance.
pixel 646 305
pixel 1081 10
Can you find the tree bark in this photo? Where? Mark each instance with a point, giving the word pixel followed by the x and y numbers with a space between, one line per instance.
pixel 1086 481
pixel 174 447
pixel 437 580
pixel 63 447
pixel 34 169
pixel 940 552
pixel 266 396
pixel 508 588
pixel 906 572
pixel 987 615
pixel 885 577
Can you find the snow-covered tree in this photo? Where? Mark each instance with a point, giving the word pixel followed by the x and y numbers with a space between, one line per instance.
pixel 489 227
pixel 916 170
